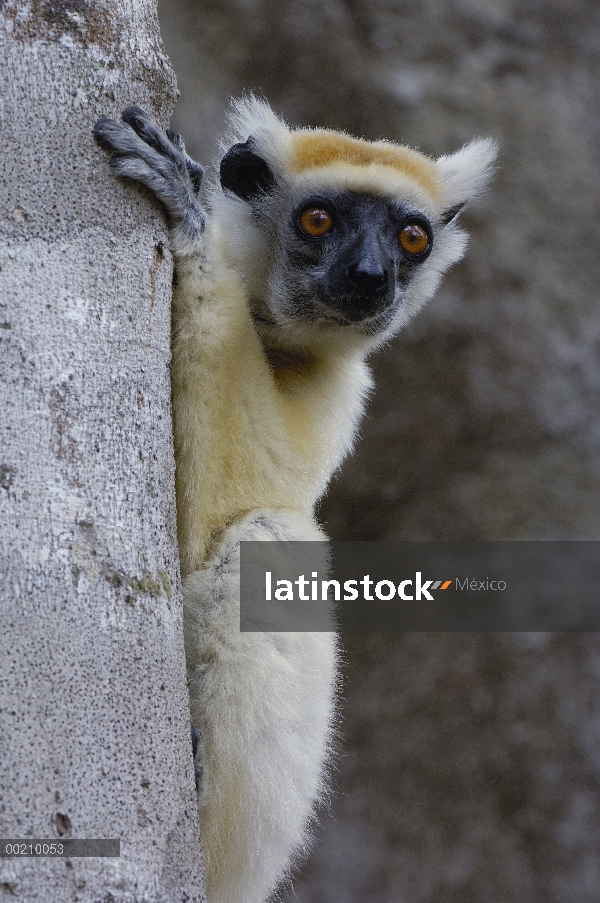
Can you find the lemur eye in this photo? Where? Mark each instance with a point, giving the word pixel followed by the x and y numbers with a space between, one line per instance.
pixel 315 221
pixel 413 239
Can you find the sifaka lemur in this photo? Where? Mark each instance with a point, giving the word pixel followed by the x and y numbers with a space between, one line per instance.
pixel 314 248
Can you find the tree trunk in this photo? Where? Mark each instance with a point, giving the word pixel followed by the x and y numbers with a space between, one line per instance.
pixel 94 715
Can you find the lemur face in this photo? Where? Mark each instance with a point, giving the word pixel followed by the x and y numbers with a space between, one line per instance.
pixel 342 257
pixel 339 232
pixel 351 256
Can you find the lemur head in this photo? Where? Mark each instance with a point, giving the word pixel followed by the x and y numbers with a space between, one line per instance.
pixel 334 231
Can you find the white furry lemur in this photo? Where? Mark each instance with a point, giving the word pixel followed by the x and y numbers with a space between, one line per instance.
pixel 315 248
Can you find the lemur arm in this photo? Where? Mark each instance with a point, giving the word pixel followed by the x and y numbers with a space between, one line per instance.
pixel 207 380
pixel 236 425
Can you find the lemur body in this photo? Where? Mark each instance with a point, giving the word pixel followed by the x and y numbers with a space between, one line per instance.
pixel 316 249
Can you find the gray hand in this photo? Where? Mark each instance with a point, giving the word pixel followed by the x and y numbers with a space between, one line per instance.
pixel 141 152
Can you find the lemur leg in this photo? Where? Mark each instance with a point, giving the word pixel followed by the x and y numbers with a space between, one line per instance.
pixel 142 153
pixel 264 704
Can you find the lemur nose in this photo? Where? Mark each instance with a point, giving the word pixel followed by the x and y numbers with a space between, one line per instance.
pixel 369 275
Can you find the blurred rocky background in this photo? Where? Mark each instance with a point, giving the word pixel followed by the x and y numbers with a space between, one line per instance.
pixel 470 766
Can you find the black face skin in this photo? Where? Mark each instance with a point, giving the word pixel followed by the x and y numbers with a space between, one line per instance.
pixel 353 271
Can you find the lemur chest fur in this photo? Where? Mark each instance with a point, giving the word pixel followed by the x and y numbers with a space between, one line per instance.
pixel 267 418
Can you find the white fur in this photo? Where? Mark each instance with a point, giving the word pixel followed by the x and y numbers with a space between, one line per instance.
pixel 264 706
pixel 256 443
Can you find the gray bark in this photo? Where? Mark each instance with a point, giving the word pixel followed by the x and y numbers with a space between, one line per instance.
pixel 94 728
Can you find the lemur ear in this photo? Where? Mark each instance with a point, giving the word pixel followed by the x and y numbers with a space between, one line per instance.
pixel 465 174
pixel 244 173
pixel 448 215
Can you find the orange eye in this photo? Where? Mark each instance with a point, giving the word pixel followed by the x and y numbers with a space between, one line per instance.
pixel 413 239
pixel 315 221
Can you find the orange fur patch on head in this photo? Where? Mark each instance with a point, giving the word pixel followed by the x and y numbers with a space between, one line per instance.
pixel 317 148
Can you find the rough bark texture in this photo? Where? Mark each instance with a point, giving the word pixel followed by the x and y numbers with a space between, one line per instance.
pixel 472 763
pixel 94 712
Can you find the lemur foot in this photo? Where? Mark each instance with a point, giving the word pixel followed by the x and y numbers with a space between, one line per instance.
pixel 141 152
pixel 197 754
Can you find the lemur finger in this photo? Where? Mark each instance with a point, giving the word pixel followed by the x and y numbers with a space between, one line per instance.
pixel 176 140
pixel 113 136
pixel 145 127
pixel 148 131
pixel 120 139
pixel 195 171
pixel 172 146
pixel 135 134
